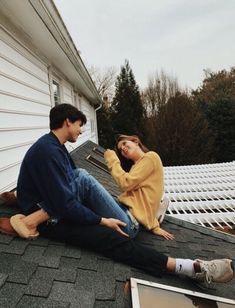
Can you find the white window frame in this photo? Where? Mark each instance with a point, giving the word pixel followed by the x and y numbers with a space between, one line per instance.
pixel 135 292
pixel 76 100
pixel 56 99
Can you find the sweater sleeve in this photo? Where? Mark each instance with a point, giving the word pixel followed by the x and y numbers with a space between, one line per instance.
pixel 128 180
pixel 57 195
pixel 156 229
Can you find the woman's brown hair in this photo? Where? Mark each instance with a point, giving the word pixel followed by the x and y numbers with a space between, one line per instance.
pixel 127 163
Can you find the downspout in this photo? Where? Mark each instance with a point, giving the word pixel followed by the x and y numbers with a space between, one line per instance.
pixel 96 109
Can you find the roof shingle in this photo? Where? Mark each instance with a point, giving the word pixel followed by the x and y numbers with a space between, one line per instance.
pixel 45 273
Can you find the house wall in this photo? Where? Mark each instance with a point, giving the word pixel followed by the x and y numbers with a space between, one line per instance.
pixel 24 105
pixel 71 96
pixel 67 93
pixel 25 100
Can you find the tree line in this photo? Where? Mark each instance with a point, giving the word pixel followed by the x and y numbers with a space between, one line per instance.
pixel 183 127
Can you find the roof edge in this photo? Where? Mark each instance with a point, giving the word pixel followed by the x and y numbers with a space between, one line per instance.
pixel 66 43
pixel 204 230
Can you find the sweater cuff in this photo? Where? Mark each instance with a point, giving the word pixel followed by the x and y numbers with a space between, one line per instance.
pixel 156 230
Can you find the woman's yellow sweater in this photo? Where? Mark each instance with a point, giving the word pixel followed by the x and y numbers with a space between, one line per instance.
pixel 142 186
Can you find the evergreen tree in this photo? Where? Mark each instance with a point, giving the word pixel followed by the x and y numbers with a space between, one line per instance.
pixel 127 108
pixel 105 130
pixel 221 118
pixel 216 98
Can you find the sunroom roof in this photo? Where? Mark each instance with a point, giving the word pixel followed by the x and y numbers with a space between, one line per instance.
pixel 202 194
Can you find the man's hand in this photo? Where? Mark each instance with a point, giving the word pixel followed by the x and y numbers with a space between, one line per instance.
pixel 114 224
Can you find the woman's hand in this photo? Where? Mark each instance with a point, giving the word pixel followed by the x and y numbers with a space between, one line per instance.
pixel 110 157
pixel 109 151
pixel 114 224
pixel 161 232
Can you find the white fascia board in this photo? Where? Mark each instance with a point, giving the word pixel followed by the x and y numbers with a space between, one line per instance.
pixel 40 23
pixel 50 16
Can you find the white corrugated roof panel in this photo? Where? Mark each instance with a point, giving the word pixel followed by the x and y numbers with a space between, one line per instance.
pixel 202 194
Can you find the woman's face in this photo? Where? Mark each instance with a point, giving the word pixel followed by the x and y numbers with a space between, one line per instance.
pixel 128 148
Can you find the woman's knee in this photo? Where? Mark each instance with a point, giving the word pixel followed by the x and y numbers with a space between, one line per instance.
pixel 81 172
pixel 84 178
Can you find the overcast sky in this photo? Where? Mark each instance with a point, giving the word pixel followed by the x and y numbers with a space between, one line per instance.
pixel 182 37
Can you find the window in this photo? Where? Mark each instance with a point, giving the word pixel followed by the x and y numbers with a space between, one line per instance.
pixel 147 294
pixel 99 150
pixel 97 163
pixel 56 92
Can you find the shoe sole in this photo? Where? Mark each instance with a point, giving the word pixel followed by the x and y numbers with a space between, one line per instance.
pixel 231 277
pixel 12 200
pixel 7 202
pixel 3 231
pixel 232 268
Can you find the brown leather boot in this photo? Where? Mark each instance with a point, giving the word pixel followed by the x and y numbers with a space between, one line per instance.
pixel 6 228
pixel 8 198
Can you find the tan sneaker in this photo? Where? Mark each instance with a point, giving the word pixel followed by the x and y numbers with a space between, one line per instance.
pixel 220 270
pixel 6 228
pixel 164 204
pixel 8 198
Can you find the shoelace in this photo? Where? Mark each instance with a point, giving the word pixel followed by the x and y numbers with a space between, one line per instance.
pixel 208 269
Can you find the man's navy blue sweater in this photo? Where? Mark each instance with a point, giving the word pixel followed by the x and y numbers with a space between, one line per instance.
pixel 45 176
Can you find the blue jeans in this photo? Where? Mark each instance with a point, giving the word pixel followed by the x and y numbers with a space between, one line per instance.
pixel 93 195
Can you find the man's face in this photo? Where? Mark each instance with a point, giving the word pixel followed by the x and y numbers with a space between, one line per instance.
pixel 74 130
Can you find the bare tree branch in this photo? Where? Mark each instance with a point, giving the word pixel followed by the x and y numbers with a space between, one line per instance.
pixel 158 91
pixel 104 80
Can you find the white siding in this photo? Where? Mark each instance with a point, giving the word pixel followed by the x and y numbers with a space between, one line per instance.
pixel 87 134
pixel 86 108
pixel 24 106
pixel 25 102
pixel 67 93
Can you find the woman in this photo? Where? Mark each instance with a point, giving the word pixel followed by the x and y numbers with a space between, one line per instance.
pixel 139 173
pixel 105 205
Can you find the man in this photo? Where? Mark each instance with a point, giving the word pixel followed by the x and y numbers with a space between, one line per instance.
pixel 49 180
pixel 46 180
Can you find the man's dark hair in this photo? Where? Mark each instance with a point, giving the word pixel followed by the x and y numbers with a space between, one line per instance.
pixel 61 112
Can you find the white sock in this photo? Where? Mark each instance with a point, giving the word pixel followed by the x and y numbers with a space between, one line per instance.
pixel 184 267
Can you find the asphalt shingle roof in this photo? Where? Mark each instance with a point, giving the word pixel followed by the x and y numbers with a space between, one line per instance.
pixel 45 273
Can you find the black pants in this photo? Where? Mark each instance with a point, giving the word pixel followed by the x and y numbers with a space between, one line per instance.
pixel 109 243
